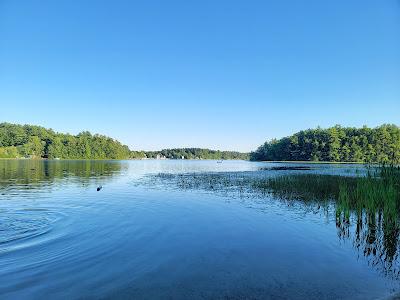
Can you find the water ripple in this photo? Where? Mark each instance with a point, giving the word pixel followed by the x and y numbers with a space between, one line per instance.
pixel 18 227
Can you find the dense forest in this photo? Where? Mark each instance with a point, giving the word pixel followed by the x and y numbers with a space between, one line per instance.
pixel 38 142
pixel 197 153
pixel 19 141
pixel 346 144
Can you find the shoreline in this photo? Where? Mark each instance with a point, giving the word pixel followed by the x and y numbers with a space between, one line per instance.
pixel 152 159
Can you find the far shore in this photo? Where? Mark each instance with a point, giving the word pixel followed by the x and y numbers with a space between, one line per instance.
pixel 264 161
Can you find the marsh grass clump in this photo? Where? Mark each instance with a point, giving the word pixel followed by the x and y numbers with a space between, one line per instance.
pixel 306 187
pixel 379 191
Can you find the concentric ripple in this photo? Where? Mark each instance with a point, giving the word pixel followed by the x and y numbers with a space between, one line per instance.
pixel 20 225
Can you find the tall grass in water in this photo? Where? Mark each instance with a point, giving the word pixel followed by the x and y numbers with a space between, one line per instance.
pixel 379 191
pixel 305 187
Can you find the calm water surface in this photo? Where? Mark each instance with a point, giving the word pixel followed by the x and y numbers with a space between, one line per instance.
pixel 143 238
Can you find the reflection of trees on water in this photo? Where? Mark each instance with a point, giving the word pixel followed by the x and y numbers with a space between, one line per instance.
pixel 374 236
pixel 33 174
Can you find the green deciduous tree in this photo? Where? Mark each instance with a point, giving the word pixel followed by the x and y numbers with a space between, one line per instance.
pixel 381 144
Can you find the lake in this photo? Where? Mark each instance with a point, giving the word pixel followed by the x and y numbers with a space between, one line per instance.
pixel 179 229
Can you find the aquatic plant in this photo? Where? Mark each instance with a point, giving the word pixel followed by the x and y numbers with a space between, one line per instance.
pixel 378 191
pixel 306 187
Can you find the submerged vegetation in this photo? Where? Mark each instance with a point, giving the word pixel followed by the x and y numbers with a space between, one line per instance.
pixel 379 188
pixel 335 144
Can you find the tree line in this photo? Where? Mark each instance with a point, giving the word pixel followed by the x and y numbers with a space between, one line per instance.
pixel 335 144
pixel 18 141
pixel 196 153
pixel 38 142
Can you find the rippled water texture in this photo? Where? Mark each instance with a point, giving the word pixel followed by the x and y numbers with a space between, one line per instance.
pixel 148 234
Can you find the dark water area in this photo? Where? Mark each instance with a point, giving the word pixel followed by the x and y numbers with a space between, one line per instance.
pixel 182 230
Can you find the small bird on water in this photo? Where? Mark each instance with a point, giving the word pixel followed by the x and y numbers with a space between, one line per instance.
pixel 99 188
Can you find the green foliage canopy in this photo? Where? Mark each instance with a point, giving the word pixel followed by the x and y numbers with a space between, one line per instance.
pixel 38 142
pixel 345 144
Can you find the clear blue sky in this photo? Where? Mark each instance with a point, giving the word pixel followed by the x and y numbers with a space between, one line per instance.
pixel 217 74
